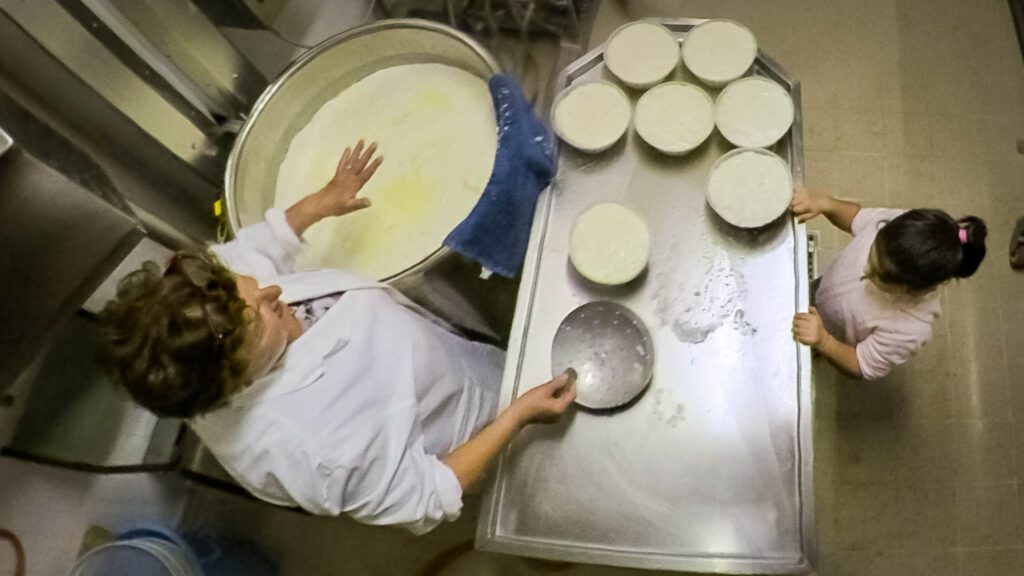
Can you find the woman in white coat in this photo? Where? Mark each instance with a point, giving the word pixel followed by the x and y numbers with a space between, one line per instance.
pixel 318 389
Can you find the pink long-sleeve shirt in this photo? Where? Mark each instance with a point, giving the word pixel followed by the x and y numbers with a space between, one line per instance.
pixel 886 329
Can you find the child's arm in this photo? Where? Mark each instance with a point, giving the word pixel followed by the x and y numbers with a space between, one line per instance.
pixel 807 205
pixel 841 355
pixel 808 329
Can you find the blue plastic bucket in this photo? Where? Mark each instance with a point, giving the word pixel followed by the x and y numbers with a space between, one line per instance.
pixel 157 551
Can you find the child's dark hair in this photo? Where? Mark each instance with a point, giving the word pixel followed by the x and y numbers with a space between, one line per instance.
pixel 923 248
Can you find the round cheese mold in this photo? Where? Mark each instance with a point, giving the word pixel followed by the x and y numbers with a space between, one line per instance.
pixel 754 112
pixel 674 117
pixel 719 51
pixel 641 54
pixel 609 244
pixel 749 187
pixel 591 116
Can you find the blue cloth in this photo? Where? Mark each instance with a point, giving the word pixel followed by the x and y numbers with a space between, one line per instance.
pixel 496 232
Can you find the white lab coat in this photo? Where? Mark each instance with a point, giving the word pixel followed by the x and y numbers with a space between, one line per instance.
pixel 362 407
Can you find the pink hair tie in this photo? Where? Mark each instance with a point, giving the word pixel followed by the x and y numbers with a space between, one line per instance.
pixel 963 235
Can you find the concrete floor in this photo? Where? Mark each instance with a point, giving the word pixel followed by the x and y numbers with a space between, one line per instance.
pixel 907 103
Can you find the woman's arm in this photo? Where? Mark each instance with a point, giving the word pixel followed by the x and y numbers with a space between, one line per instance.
pixel 337 197
pixel 807 205
pixel 808 329
pixel 269 248
pixel 544 403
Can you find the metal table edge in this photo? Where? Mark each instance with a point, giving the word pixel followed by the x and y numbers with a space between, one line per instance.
pixel 510 378
pixel 645 560
pixel 804 361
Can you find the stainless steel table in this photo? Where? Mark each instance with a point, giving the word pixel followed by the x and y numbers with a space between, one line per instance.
pixel 711 470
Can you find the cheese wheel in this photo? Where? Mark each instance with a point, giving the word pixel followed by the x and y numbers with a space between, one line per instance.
pixel 591 116
pixel 641 54
pixel 719 51
pixel 749 187
pixel 754 112
pixel 609 244
pixel 435 127
pixel 675 117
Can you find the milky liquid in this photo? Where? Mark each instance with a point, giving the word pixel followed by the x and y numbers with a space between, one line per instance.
pixel 435 126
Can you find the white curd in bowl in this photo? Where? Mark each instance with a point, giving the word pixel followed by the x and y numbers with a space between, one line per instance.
pixel 719 51
pixel 674 117
pixel 754 112
pixel 609 244
pixel 641 54
pixel 749 187
pixel 591 116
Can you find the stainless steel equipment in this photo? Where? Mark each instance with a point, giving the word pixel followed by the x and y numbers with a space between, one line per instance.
pixel 609 348
pixel 558 17
pixel 710 471
pixel 147 89
pixel 63 228
pixel 119 113
pixel 443 282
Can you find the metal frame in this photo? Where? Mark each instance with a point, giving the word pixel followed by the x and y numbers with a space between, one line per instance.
pixel 6 142
pixel 84 46
pixel 187 50
pixel 487 537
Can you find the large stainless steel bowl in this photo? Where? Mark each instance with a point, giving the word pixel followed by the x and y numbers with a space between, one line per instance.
pixel 319 75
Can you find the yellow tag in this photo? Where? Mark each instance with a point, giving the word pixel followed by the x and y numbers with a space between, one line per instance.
pixel 218 208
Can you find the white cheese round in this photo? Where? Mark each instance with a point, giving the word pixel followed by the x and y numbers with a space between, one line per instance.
pixel 674 117
pixel 592 116
pixel 749 187
pixel 719 51
pixel 754 112
pixel 435 127
pixel 641 54
pixel 609 244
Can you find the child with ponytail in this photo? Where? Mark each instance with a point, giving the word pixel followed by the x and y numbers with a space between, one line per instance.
pixel 875 306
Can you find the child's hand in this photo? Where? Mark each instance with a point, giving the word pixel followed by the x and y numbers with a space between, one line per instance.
pixel 807 329
pixel 338 197
pixel 806 205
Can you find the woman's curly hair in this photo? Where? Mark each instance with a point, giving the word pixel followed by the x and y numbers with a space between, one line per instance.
pixel 173 339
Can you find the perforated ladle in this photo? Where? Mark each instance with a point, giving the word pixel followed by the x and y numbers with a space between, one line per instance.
pixel 611 351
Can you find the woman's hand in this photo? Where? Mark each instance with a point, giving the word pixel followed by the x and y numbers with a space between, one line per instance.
pixel 338 197
pixel 808 329
pixel 806 204
pixel 547 402
pixel 355 169
pixel 544 403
